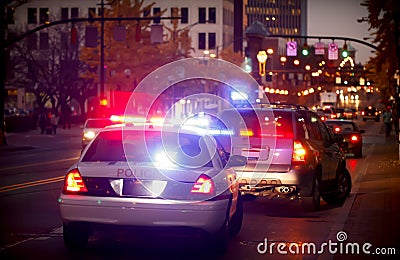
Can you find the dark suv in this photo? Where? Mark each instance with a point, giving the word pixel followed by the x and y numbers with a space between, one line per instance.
pixel 290 153
pixel 370 112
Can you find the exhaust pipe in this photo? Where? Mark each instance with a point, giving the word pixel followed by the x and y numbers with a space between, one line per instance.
pixel 284 190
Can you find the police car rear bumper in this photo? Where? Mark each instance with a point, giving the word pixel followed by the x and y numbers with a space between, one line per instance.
pixel 209 216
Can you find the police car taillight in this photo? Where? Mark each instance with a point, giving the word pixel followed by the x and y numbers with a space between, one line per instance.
pixel 73 182
pixel 204 185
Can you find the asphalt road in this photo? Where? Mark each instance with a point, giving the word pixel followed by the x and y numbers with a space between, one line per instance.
pixel 31 174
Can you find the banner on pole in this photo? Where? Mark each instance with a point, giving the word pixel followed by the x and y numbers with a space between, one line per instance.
pixel 319 48
pixel 291 48
pixel 333 53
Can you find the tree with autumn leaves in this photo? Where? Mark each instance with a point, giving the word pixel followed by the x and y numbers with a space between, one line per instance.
pixel 129 54
pixel 384 21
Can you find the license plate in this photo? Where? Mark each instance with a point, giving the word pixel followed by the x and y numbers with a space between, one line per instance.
pixel 133 187
pixel 255 153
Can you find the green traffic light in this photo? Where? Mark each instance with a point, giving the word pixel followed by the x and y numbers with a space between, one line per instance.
pixel 345 53
pixel 305 52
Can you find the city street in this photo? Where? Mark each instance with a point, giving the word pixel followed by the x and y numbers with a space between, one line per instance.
pixel 33 165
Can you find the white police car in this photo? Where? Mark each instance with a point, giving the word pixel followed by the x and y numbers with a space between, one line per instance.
pixel 148 176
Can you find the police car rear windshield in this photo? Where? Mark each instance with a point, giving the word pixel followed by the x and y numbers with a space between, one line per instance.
pixel 185 150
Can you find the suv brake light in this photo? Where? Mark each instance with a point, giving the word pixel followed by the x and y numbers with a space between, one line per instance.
pixel 73 182
pixel 354 139
pixel 204 185
pixel 299 152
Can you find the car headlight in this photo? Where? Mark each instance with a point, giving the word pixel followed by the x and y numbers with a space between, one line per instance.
pixel 89 135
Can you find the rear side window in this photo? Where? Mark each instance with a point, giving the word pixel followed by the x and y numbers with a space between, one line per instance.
pixel 301 128
pixel 259 123
pixel 324 131
pixel 313 126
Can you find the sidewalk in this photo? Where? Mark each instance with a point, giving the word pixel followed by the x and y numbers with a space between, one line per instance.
pixel 375 214
pixel 17 141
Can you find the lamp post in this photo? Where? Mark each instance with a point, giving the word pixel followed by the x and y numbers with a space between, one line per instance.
pixel 102 51
pixel 262 60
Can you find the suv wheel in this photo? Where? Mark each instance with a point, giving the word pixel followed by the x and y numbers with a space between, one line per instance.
pixel 358 152
pixel 312 203
pixel 235 223
pixel 75 235
pixel 342 191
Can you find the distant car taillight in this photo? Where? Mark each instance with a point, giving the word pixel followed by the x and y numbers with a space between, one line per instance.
pixel 299 152
pixel 73 182
pixel 354 139
pixel 204 185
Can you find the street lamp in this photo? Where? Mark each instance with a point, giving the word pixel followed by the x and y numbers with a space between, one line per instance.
pixel 262 60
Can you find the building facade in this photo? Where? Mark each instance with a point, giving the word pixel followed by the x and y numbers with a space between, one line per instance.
pixel 280 17
pixel 211 22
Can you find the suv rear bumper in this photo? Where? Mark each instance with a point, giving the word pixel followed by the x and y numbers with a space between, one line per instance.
pixel 271 184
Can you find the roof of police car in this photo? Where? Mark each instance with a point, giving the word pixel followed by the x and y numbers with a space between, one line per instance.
pixel 152 127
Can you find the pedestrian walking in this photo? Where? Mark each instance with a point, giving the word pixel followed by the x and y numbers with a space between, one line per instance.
pixel 54 122
pixel 66 113
pixel 42 122
pixel 387 120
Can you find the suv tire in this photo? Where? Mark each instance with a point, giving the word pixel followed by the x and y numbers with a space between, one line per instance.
pixel 358 153
pixel 342 189
pixel 312 203
pixel 235 223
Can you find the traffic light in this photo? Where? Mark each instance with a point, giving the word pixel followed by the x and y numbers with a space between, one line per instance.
pixel 345 52
pixel 306 50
